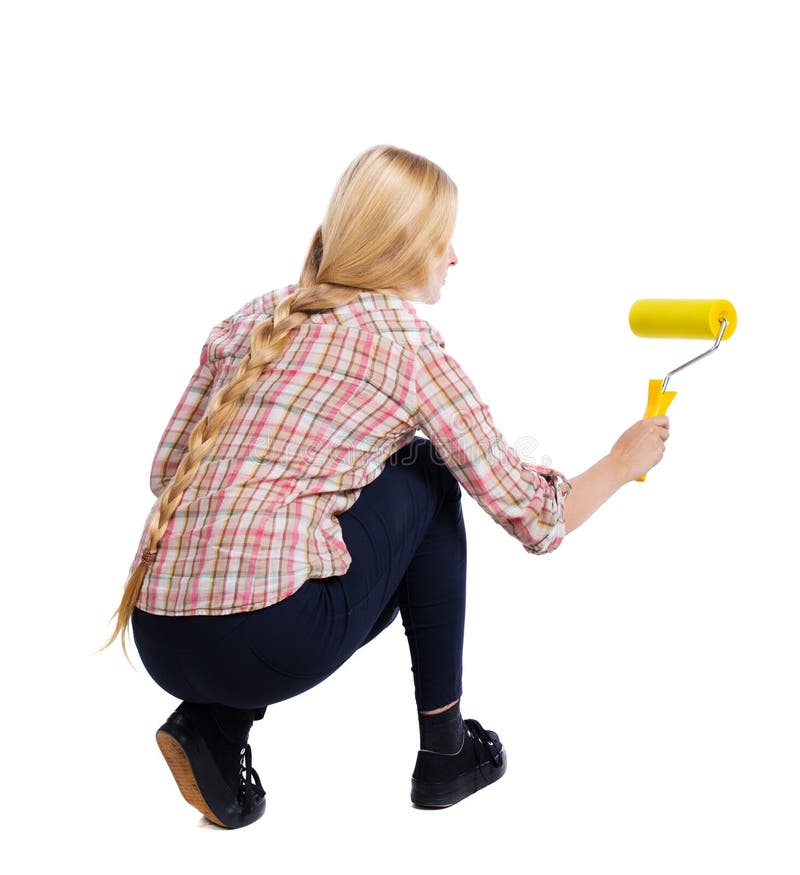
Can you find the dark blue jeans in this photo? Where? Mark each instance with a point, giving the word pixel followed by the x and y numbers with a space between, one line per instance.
pixel 406 537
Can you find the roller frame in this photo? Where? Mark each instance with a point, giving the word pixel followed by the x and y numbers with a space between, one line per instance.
pixel 723 326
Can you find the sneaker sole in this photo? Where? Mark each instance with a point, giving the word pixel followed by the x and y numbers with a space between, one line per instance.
pixel 447 793
pixel 182 772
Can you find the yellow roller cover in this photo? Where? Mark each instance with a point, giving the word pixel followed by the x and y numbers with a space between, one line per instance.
pixel 696 318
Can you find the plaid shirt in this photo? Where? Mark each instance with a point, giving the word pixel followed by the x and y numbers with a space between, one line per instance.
pixel 353 386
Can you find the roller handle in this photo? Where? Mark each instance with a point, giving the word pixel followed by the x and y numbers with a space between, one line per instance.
pixel 657 404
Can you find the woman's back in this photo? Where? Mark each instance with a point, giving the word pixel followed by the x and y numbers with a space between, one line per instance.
pixel 259 518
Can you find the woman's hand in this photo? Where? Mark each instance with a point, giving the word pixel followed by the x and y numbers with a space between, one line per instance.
pixel 641 447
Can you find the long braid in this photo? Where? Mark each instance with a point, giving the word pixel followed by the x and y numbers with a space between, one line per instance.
pixel 268 341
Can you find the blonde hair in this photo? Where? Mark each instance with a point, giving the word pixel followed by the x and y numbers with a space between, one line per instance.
pixel 388 223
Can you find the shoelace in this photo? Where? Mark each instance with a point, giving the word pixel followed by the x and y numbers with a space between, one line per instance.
pixel 483 741
pixel 249 782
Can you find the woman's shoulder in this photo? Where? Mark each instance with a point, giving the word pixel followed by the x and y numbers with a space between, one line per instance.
pixel 386 314
pixel 231 336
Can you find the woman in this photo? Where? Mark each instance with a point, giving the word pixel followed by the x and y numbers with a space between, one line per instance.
pixel 298 512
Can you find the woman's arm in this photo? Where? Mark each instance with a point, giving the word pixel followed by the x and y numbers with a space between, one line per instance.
pixel 636 451
pixel 175 439
pixel 526 500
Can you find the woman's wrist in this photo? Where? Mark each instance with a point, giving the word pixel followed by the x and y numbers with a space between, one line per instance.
pixel 619 472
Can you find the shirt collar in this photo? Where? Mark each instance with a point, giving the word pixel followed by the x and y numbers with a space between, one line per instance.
pixel 368 299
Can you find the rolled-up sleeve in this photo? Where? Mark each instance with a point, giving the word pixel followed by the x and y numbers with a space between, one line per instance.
pixel 526 500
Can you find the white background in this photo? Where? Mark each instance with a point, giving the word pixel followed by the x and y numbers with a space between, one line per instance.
pixel 165 162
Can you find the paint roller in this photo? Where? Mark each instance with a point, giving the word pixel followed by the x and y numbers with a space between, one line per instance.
pixel 695 319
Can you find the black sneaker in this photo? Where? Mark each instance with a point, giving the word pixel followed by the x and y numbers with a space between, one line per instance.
pixel 440 780
pixel 214 774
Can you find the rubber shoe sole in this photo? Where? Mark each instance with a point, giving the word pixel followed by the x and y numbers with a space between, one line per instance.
pixel 183 774
pixel 198 777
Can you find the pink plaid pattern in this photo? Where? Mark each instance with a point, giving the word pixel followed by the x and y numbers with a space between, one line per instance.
pixel 354 386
